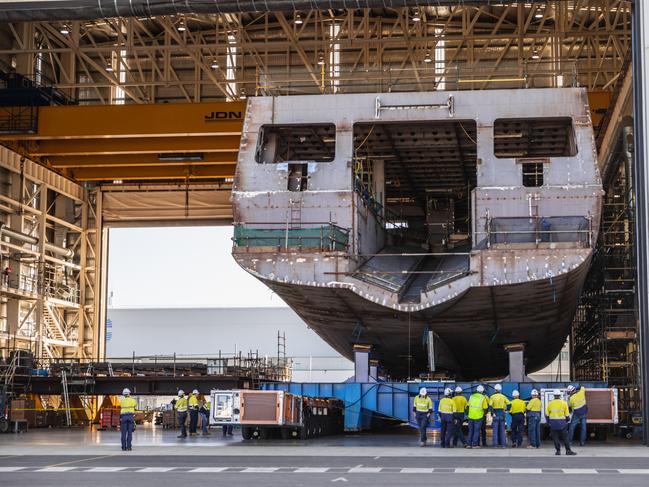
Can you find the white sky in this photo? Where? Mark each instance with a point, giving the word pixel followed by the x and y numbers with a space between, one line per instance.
pixel 180 266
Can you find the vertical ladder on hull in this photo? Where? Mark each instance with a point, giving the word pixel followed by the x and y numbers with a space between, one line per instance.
pixel 295 216
pixel 66 397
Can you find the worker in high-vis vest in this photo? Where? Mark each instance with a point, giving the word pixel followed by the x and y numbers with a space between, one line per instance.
pixel 193 408
pixel 579 409
pixel 445 410
pixel 205 415
pixel 498 404
pixel 458 416
pixel 517 413
pixel 477 406
pixel 180 404
pixel 422 406
pixel 557 416
pixel 127 418
pixel 534 420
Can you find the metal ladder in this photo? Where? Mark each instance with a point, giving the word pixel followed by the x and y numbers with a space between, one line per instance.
pixel 66 397
pixel 295 214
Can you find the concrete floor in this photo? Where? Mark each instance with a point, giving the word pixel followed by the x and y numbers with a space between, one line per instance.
pixel 90 457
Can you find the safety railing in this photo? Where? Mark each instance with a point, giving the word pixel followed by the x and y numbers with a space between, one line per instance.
pixel 323 237
pixel 537 230
pixel 57 285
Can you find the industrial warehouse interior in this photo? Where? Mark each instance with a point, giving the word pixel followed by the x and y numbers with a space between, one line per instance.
pixel 374 243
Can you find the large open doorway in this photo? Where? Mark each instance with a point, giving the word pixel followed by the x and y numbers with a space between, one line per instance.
pixel 417 178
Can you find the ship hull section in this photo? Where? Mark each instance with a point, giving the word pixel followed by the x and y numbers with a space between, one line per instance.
pixel 472 327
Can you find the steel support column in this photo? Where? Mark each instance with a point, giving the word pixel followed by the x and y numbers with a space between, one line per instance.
pixel 641 174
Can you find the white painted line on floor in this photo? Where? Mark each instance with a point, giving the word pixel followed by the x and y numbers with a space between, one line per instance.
pixel 637 471
pixel 260 469
pixel 56 469
pixel 311 470
pixel 105 469
pixel 579 470
pixel 417 470
pixel 10 469
pixel 154 469
pixel 365 470
pixel 208 469
pixel 525 470
pixel 470 470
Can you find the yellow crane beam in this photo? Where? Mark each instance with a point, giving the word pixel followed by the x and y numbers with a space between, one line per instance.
pixel 135 160
pixel 132 121
pixel 150 173
pixel 152 145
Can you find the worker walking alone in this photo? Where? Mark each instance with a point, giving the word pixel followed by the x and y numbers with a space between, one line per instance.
pixel 498 404
pixel 127 419
pixel 579 409
pixel 422 406
pixel 193 412
pixel 181 409
pixel 534 420
pixel 445 409
pixel 459 416
pixel 557 415
pixel 517 412
pixel 205 415
pixel 477 406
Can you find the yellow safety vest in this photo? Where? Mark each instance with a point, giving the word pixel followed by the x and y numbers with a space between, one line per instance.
pixel 127 405
pixel 460 403
pixel 181 404
pixel 477 405
pixel 557 409
pixel 423 404
pixel 534 405
pixel 207 405
pixel 518 406
pixel 578 399
pixel 446 405
pixel 193 402
pixel 498 401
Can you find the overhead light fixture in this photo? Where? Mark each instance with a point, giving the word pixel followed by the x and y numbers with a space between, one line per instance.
pixel 297 20
pixel 321 60
pixel 535 54
pixel 182 27
pixel 215 64
pixel 242 94
pixel 416 17
pixel 109 68
pixel 538 14
pixel 428 59
pixel 65 30
pixel 181 156
pixel 117 181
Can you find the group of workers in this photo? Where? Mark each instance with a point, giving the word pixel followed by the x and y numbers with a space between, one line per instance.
pixel 194 405
pixel 453 409
pixel 185 406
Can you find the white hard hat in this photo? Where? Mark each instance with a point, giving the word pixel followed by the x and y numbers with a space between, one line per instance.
pixel 126 391
pixel 423 391
pixel 480 388
pixel 195 391
pixel 498 387
pixel 535 392
pixel 181 392
pixel 571 388
pixel 447 391
pixel 515 394
pixel 458 389
pixel 556 392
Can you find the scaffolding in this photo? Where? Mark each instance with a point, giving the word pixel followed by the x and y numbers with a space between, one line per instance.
pixel 605 334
